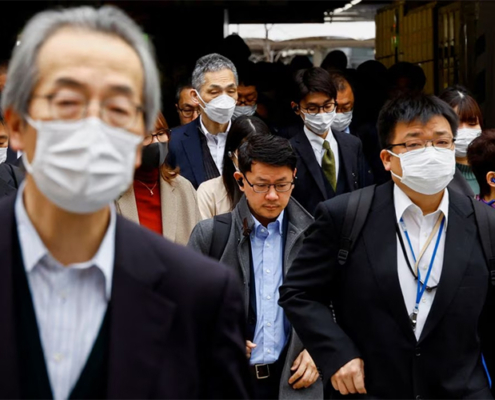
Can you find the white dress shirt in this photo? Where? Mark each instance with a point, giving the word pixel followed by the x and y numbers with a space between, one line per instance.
pixel 316 142
pixel 419 228
pixel 69 302
pixel 216 144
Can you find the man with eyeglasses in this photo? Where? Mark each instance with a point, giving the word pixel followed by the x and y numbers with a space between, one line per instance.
pixel 92 305
pixel 413 306
pixel 330 162
pixel 187 109
pixel 263 235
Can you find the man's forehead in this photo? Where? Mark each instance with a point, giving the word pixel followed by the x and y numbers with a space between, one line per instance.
pixel 436 123
pixel 223 77
pixel 91 56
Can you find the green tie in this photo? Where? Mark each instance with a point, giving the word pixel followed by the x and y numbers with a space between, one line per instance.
pixel 328 165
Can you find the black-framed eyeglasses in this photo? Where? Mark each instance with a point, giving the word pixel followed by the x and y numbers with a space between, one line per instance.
pixel 265 187
pixel 163 135
pixel 118 111
pixel 420 144
pixel 314 109
pixel 188 112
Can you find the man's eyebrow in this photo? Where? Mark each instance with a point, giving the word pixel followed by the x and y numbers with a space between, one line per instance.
pixel 215 86
pixel 69 82
pixel 119 89
pixel 442 133
pixel 4 137
pixel 412 134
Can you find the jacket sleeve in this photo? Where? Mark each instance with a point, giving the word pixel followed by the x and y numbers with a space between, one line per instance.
pixel 228 374
pixel 307 294
pixel 201 237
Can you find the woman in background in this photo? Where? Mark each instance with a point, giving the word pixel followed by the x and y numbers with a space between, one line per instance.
pixel 470 125
pixel 159 198
pixel 220 195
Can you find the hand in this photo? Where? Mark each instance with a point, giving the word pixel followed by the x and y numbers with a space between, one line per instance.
pixel 305 371
pixel 249 347
pixel 350 378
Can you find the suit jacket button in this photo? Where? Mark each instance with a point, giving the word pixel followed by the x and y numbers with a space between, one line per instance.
pixel 417 351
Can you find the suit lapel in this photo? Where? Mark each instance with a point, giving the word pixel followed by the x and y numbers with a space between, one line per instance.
pixel 347 158
pixel 127 206
pixel 192 148
pixel 168 201
pixel 308 157
pixel 380 240
pixel 459 241
pixel 9 383
pixel 140 318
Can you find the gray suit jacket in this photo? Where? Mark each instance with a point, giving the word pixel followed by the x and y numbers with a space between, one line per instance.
pixel 237 256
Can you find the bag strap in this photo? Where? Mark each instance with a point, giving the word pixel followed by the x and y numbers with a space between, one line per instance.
pixel 221 233
pixel 355 216
pixel 485 219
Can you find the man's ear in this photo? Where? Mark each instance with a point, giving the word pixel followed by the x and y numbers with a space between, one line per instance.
pixel 15 125
pixel 490 179
pixel 385 157
pixel 194 96
pixel 295 108
pixel 240 180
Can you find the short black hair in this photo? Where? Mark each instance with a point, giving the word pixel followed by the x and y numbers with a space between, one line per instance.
pixel 186 85
pixel 413 74
pixel 267 149
pixel 336 59
pixel 247 74
pixel 408 108
pixel 481 158
pixel 313 80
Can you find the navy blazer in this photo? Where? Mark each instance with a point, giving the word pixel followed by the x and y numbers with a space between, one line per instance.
pixel 184 151
pixel 311 187
pixel 176 319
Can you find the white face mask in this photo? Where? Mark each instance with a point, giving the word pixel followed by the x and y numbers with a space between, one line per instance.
pixel 220 109
pixel 244 110
pixel 427 171
pixel 463 139
pixel 319 123
pixel 3 154
pixel 342 121
pixel 82 166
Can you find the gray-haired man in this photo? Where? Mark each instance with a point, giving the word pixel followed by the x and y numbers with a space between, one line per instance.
pixel 198 147
pixel 93 306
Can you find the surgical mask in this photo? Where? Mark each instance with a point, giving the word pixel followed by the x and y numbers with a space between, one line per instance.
pixel 426 171
pixel 220 109
pixel 342 121
pixel 244 110
pixel 153 155
pixel 319 123
pixel 83 165
pixel 3 154
pixel 463 139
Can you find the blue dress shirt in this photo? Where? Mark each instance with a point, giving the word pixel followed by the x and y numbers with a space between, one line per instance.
pixel 267 249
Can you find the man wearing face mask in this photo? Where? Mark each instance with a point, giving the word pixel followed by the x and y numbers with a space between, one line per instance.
pixel 92 305
pixel 159 198
pixel 247 94
pixel 198 147
pixel 411 302
pixel 330 162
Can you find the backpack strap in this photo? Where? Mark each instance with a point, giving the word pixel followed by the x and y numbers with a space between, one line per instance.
pixel 355 216
pixel 221 233
pixel 485 219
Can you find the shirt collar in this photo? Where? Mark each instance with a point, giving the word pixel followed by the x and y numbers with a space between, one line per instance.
pixel 205 131
pixel 33 248
pixel 402 203
pixel 278 223
pixel 317 140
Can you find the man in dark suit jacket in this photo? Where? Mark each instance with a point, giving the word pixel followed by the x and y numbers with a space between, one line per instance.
pixel 10 179
pixel 92 305
pixel 399 329
pixel 197 148
pixel 329 162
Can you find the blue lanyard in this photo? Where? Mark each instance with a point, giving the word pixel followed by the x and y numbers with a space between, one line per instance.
pixel 421 287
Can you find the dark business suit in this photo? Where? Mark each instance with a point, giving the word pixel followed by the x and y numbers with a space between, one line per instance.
pixel 311 186
pixel 176 322
pixel 372 320
pixel 184 151
pixel 10 179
